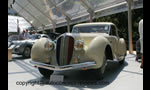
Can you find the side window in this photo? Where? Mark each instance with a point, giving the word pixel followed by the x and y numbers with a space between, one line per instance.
pixel 113 31
pixel 75 30
pixel 45 36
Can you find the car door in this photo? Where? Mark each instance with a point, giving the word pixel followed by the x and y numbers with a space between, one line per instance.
pixel 113 38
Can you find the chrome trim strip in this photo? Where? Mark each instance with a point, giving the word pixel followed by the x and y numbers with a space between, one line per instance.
pixel 65 67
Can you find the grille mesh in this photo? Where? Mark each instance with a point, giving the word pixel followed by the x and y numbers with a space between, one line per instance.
pixel 64 50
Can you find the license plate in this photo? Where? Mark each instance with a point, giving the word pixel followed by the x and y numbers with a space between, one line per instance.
pixel 56 78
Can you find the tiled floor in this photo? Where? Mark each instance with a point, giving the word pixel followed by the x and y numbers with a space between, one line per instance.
pixel 125 77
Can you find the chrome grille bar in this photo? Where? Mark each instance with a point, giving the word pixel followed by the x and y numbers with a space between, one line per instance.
pixel 64 49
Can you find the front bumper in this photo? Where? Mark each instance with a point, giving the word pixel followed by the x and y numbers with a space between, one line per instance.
pixel 65 67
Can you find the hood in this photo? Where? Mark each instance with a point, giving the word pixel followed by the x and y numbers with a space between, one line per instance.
pixel 85 37
pixel 18 42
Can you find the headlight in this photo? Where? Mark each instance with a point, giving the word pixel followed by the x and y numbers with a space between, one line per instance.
pixel 49 45
pixel 79 45
pixel 17 46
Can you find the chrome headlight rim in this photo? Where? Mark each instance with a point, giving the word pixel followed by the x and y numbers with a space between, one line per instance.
pixel 49 45
pixel 79 45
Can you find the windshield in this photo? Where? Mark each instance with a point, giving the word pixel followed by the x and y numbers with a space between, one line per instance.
pixel 91 29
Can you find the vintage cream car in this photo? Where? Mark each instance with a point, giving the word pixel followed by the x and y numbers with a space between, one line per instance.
pixel 88 47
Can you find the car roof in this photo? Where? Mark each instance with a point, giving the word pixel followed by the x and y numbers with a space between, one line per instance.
pixel 94 23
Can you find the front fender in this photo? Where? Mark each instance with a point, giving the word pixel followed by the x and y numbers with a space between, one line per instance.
pixel 96 50
pixel 38 52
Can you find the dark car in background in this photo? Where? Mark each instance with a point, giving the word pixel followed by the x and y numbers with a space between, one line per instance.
pixel 138 49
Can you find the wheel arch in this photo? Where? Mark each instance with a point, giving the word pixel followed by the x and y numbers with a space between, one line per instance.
pixel 28 45
pixel 108 52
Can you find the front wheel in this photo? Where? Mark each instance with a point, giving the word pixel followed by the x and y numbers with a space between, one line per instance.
pixel 45 72
pixel 27 52
pixel 121 61
pixel 100 71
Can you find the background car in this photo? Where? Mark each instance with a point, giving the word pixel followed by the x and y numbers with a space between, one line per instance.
pixel 88 47
pixel 12 38
pixel 23 47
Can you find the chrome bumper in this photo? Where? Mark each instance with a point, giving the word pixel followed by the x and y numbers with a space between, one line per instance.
pixel 65 67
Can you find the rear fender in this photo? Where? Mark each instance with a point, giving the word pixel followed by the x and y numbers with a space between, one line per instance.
pixel 121 47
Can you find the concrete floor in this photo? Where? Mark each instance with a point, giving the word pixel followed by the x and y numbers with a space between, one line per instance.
pixel 125 77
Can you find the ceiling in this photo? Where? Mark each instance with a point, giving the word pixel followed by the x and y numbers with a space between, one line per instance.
pixel 48 14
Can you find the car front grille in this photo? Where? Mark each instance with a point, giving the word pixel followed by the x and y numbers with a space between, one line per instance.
pixel 64 49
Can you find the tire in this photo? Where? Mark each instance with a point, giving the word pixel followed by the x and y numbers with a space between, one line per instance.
pixel 26 53
pixel 45 72
pixel 100 71
pixel 122 61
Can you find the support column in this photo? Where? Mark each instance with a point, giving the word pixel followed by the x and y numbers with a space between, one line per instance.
pixel 48 17
pixel 89 10
pixel 62 12
pixel 68 25
pixel 91 15
pixel 130 2
pixel 54 28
